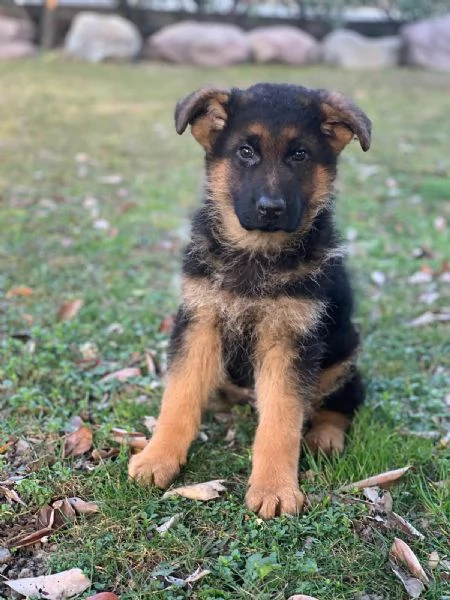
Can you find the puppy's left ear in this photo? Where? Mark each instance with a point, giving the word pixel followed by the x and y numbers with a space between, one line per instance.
pixel 343 120
pixel 206 111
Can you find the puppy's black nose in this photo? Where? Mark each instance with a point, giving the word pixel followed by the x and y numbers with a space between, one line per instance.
pixel 270 208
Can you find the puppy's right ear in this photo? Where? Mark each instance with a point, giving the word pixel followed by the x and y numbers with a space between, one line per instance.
pixel 206 111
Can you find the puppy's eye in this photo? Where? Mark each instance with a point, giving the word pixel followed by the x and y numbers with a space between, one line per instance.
pixel 299 155
pixel 246 152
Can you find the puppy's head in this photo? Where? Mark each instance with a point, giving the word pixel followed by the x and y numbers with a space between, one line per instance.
pixel 271 151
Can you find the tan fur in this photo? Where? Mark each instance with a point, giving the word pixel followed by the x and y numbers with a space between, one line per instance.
pixel 276 316
pixel 236 235
pixel 192 378
pixel 327 432
pixel 273 486
pixel 332 378
pixel 204 128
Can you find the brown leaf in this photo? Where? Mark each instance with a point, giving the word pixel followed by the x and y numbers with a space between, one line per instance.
pixel 11 495
pixel 103 596
pixel 69 310
pixel 78 442
pixel 433 559
pixel 122 375
pixel 199 491
pixel 383 480
pixel 32 538
pixel 133 439
pixel 406 526
pixel 83 508
pixel 403 553
pixel 150 363
pixel 20 291
pixel 52 587
pixel 99 455
pixel 413 586
pixel 46 516
pixel 64 513
pixel 167 324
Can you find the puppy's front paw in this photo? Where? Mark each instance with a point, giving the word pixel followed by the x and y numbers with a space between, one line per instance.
pixel 271 501
pixel 325 437
pixel 156 465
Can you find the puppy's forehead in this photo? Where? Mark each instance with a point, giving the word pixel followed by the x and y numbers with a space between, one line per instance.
pixel 271 109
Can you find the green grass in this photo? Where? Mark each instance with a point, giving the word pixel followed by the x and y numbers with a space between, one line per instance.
pixel 121 118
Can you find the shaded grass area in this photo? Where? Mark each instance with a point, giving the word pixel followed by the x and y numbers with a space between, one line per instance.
pixel 96 189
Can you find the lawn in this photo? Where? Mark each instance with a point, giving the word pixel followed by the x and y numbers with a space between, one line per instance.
pixel 96 190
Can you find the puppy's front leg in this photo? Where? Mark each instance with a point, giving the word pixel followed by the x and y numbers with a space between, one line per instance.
pixel 194 372
pixel 273 486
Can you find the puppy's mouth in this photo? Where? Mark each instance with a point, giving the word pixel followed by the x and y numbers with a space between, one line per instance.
pixel 270 226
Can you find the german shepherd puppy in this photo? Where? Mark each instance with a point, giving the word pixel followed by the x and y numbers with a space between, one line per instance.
pixel 266 297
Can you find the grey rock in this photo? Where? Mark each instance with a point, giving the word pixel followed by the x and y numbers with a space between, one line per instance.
pixel 95 38
pixel 351 50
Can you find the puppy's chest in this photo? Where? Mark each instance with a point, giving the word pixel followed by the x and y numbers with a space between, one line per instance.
pixel 262 315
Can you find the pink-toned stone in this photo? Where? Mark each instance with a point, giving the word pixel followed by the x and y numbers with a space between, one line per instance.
pixel 16 30
pixel 427 43
pixel 283 44
pixel 201 44
pixel 13 50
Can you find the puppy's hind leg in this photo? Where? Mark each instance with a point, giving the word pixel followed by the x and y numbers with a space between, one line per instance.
pixel 194 372
pixel 330 423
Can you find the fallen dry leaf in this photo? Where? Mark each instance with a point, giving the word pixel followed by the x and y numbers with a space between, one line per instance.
pixel 78 442
pixel 150 363
pixel 413 586
pixel 301 597
pixel 378 277
pixel 133 439
pixel 196 575
pixel 406 526
pixel 383 480
pixel 167 324
pixel 102 454
pixel 63 513
pixel 199 491
pixel 420 277
pixel 113 179
pixel 164 528
pixel 69 310
pixel 32 538
pixel 403 553
pixel 11 495
pixel 20 291
pixel 122 374
pixel 433 559
pixel 429 317
pixel 52 587
pixel 82 507
pixel 103 596
pixel 150 423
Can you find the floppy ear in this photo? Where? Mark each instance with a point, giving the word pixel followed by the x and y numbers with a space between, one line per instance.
pixel 205 111
pixel 343 120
